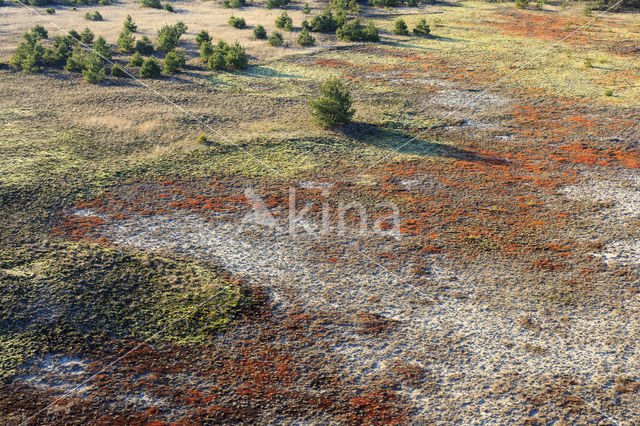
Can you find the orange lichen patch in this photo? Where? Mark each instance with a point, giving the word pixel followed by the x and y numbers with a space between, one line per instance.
pixel 547 265
pixel 542 26
pixel 78 227
pixel 335 63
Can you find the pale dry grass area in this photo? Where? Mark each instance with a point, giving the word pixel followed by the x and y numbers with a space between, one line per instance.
pixel 197 15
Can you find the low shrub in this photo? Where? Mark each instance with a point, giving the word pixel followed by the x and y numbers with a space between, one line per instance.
pixel 422 29
pixel 126 42
pixel 50 11
pixel 400 27
pixel 173 61
pixel 305 38
pixel 150 68
pixel 276 39
pixel 102 48
pixel 144 46
pixel 522 4
pixel 154 4
pixel 93 69
pixel 233 4
pixel 168 8
pixel 118 72
pixel 333 108
pixel 95 16
pixel 324 23
pixel 238 23
pixel 202 139
pixel 129 25
pixel 259 32
pixel 201 37
pixel 306 9
pixel 608 92
pixel 588 62
pixel 169 36
pixel 224 56
pixel 355 31
pixel 86 36
pixel 136 60
pixel 272 4
pixel 284 21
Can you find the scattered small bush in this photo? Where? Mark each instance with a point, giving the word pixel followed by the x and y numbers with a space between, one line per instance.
pixel 150 68
pixel 400 27
pixel 30 53
pixel 259 32
pixel 284 21
pixel 168 8
pixel 333 108
pixel 306 25
pixel 126 42
pixel 50 11
pixel 201 37
pixel 129 25
pixel 233 4
pixel 305 38
pixel 238 23
pixel 202 139
pixel 272 4
pixel 95 16
pixel 173 61
pixel 74 34
pixel 588 11
pixel 422 29
pixel 522 4
pixel 136 60
pixel 154 4
pixel 324 23
pixel 39 32
pixel 588 62
pixel 350 6
pixel 169 36
pixel 93 70
pixel 354 31
pixel 118 72
pixel 144 46
pixel 86 36
pixel 224 56
pixel 608 92
pixel 306 9
pixel 102 48
pixel 276 39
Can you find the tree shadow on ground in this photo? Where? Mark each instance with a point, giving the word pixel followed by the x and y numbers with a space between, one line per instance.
pixel 397 141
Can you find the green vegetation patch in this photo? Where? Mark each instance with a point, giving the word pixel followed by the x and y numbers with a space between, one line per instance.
pixel 63 292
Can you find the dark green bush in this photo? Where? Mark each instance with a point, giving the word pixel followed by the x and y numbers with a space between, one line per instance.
pixel 384 3
pixel 173 61
pixel 150 68
pixel 39 32
pixel 333 108
pixel 238 23
pixel 169 36
pixel 276 40
pixel 224 56
pixel 144 46
pixel 50 11
pixel 232 4
pixel 129 25
pixel 259 32
pixel 167 7
pixel 60 51
pixel 116 71
pixel 102 48
pixel 305 38
pixel 400 27
pixel 522 4
pixel 74 35
pixel 93 69
pixel 86 36
pixel 95 16
pixel 284 21
pixel 306 9
pixel 30 53
pixel 272 4
pixel 155 4
pixel 422 29
pixel 350 6
pixel 126 42
pixel 201 37
pixel 354 31
pixel 324 23
pixel 136 60
pixel 75 62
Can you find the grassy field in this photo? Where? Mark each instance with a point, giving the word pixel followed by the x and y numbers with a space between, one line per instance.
pixel 133 290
